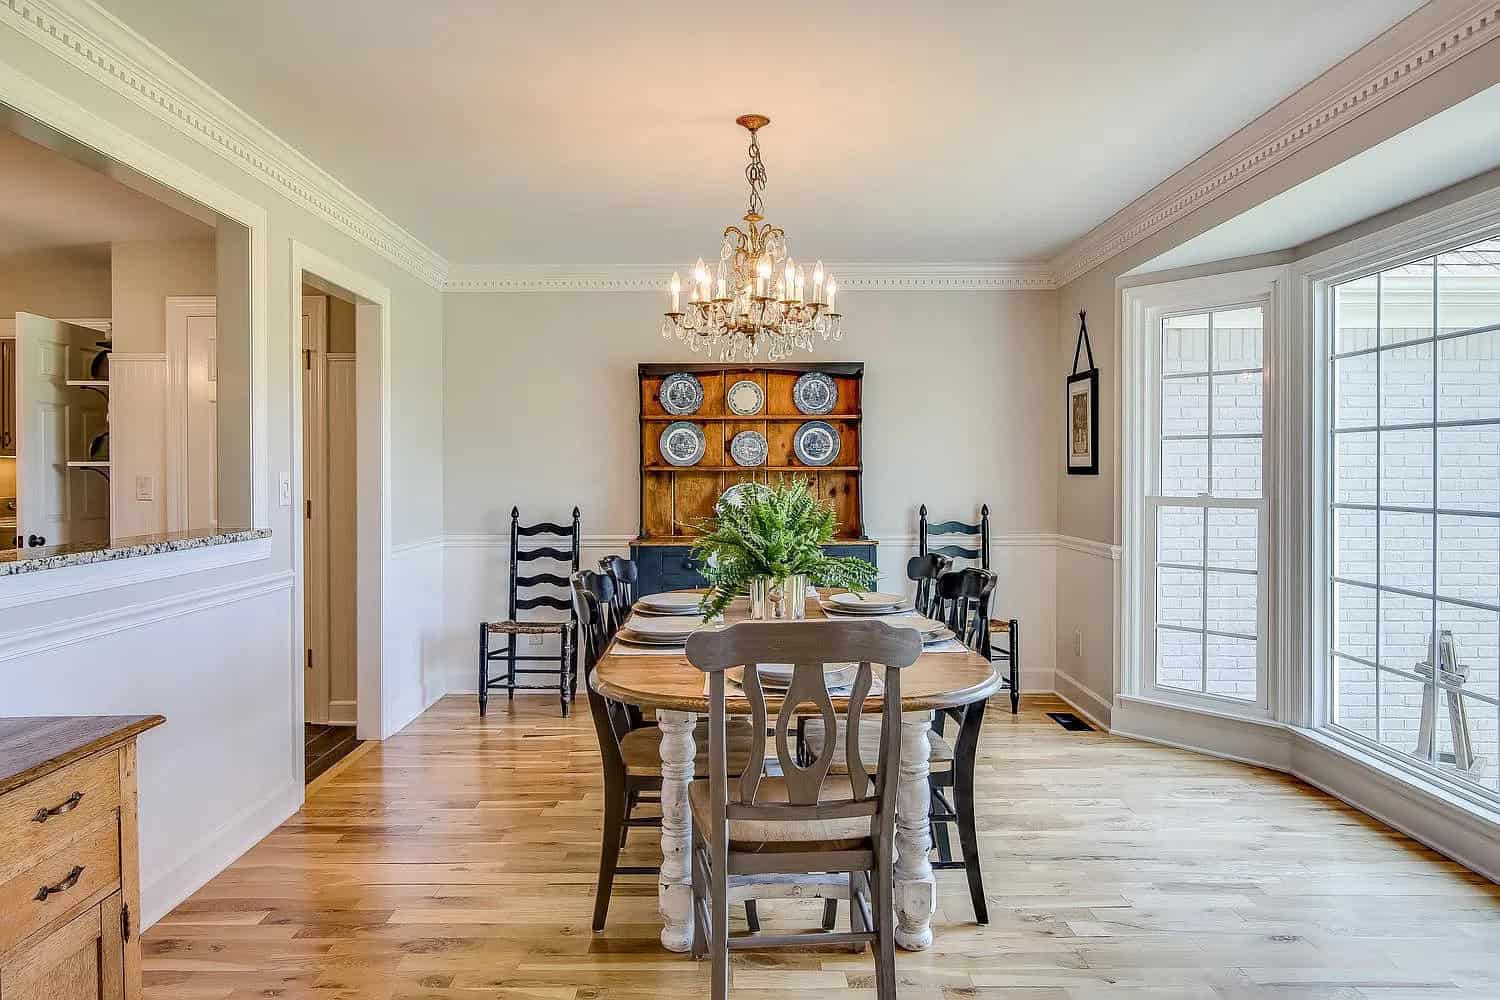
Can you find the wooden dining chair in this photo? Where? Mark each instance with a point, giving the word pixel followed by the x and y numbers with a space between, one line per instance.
pixel 631 755
pixel 798 823
pixel 513 627
pixel 1005 633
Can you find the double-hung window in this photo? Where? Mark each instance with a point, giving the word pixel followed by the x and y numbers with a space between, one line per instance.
pixel 1413 554
pixel 1204 508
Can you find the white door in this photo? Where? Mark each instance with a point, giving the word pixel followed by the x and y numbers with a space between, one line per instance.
pixel 192 349
pixel 48 419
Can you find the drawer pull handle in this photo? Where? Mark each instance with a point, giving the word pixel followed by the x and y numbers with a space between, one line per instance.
pixel 67 805
pixel 68 882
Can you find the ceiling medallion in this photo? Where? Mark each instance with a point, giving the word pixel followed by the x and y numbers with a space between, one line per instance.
pixel 734 311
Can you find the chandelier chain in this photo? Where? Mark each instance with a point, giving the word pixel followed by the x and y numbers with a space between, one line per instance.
pixel 755 173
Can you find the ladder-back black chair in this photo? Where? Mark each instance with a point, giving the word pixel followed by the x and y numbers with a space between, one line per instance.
pixel 513 627
pixel 1003 635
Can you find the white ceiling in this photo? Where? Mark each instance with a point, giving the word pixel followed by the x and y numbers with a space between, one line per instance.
pixel 600 133
pixel 47 201
pixel 1451 146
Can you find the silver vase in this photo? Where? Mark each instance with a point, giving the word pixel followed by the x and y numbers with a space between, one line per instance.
pixel 778 600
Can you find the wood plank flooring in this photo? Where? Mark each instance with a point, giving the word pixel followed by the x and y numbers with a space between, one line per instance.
pixel 457 860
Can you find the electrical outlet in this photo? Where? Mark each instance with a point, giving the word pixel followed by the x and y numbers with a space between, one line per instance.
pixel 534 641
pixel 145 488
pixel 284 489
pixel 1078 642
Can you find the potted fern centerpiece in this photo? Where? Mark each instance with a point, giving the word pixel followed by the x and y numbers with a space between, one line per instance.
pixel 769 544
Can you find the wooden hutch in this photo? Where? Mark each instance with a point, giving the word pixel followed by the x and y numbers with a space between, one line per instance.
pixel 674 499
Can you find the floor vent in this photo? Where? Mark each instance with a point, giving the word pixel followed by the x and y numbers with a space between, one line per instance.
pixel 1070 722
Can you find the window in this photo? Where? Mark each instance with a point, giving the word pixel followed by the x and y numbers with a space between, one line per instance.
pixel 1205 507
pixel 1414 512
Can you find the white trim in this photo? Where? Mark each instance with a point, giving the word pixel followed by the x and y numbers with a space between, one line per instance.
pixel 162 891
pixel 1317 110
pixel 88 628
pixel 1020 539
pixel 1446 823
pixel 891 277
pixel 1083 699
pixel 375 651
pixel 46 105
pixel 179 308
pixel 405 548
pixel 1141 312
pixel 96 43
pixel 66 582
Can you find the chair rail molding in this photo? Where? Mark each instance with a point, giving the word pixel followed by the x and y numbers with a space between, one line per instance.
pixel 869 277
pixel 1431 38
pixel 96 43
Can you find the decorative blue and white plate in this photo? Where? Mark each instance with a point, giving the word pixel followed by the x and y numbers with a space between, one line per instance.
pixel 815 394
pixel 682 443
pixel 816 443
pixel 748 448
pixel 681 394
pixel 745 398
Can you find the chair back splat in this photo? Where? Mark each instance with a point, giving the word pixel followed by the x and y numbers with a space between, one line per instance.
pixel 924 570
pixel 981 530
pixel 625 576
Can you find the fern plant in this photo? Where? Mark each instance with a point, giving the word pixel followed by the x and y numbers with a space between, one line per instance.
pixel 775 532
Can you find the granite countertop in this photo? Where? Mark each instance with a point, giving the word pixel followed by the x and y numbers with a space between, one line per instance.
pixel 15 561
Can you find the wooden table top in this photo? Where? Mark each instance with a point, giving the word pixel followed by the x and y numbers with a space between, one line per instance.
pixel 668 681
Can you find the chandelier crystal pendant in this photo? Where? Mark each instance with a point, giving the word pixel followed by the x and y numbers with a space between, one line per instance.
pixel 757 299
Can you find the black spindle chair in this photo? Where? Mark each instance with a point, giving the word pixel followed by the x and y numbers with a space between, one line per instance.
pixel 924 570
pixel 1010 652
pixel 512 628
pixel 625 576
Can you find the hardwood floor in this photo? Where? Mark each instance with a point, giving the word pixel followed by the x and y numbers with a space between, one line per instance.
pixel 457 860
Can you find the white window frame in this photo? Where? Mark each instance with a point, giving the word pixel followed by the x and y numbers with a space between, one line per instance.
pixel 1313 281
pixel 1144 308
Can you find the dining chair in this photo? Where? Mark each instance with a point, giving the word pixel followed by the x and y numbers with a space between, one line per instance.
pixel 1010 628
pixel 924 571
pixel 631 756
pixel 626 577
pixel 797 823
pixel 513 627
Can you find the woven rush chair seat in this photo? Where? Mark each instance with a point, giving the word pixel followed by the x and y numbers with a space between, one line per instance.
pixel 759 837
pixel 527 628
pixel 999 624
pixel 641 748
pixel 940 750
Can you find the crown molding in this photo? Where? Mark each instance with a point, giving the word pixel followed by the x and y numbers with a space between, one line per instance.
pixel 892 277
pixel 95 42
pixel 1317 110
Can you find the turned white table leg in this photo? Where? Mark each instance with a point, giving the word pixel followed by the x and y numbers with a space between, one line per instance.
pixel 916 889
pixel 675 886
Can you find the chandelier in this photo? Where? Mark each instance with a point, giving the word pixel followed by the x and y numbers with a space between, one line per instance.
pixel 735 311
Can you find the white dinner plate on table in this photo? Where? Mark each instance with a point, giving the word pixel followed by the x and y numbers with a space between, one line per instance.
pixel 675 628
pixel 677 602
pixel 865 602
pixel 778 676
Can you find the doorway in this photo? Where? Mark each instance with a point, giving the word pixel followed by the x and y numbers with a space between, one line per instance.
pixel 329 519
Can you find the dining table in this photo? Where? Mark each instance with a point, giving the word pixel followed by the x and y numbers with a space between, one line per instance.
pixel 664 681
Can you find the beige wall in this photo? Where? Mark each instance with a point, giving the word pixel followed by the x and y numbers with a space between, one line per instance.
pixel 143 275
pixel 68 283
pixel 541 408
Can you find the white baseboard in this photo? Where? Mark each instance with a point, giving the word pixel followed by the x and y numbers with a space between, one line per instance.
pixel 162 891
pixel 342 713
pixel 1085 700
pixel 1440 821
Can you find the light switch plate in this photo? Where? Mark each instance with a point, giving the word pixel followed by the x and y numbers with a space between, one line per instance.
pixel 284 489
pixel 145 489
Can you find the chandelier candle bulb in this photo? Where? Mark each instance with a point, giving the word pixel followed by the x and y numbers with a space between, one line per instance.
pixel 818 282
pixel 676 293
pixel 833 289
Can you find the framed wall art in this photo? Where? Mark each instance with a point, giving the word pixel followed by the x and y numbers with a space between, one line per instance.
pixel 1082 435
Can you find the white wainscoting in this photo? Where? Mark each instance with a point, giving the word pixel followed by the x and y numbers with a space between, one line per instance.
pixel 477 570
pixel 137 443
pixel 219 775
pixel 415 674
pixel 1087 626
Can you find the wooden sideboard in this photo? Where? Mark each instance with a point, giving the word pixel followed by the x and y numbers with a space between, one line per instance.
pixel 675 499
pixel 69 876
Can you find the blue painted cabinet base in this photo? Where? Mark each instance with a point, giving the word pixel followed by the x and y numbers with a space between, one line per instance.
pixel 672 567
